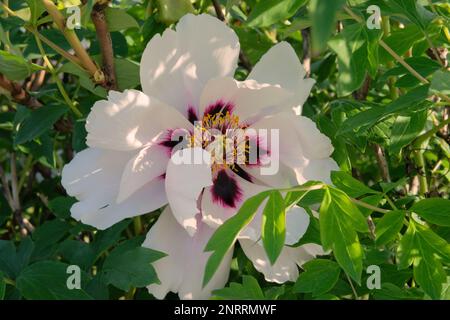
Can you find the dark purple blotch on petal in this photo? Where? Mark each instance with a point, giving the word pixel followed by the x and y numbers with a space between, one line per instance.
pixel 219 107
pixel 192 115
pixel 226 190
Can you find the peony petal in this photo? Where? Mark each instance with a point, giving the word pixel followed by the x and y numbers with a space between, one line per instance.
pixel 185 182
pixel 301 146
pixel 248 98
pixel 281 66
pixel 176 65
pixel 148 164
pixel 93 177
pixel 183 268
pixel 148 198
pixel 297 222
pixel 286 266
pixel 130 120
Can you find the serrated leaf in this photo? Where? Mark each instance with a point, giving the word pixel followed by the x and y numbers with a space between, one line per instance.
pixel 131 268
pixel 248 290
pixel 320 276
pixel 47 280
pixel 37 122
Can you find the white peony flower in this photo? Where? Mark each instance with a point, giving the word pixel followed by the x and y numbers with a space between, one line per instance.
pixel 132 165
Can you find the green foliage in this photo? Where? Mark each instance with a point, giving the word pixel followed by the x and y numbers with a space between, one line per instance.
pixel 320 276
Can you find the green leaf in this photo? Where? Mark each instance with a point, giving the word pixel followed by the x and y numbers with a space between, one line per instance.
pixel 2 286
pixel 37 122
pixel 15 67
pixel 413 11
pixel 171 11
pixel 350 185
pixel 36 9
pixel 268 12
pixel 389 226
pixel 400 41
pixel 248 290
pixel 131 268
pixel 412 101
pixel 273 227
pixel 60 206
pixel 405 129
pixel 434 210
pixel 339 221
pixel 12 261
pixel 320 276
pixel 422 247
pixel 224 237
pixel 118 19
pixel 127 74
pixel 46 237
pixel 351 49
pixel 47 280
pixel 323 14
pixel 440 83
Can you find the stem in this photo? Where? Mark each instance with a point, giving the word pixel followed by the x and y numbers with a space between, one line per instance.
pixel 137 223
pixel 73 40
pixel 382 162
pixel 55 47
pixel 391 80
pixel 397 57
pixel 368 206
pixel 242 57
pixel 352 286
pixel 57 80
pixel 104 37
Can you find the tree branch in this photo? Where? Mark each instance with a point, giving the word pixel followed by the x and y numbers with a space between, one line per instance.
pixel 242 57
pixel 104 37
pixel 18 93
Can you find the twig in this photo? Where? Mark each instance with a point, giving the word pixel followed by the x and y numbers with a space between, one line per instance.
pixel 18 93
pixel 242 57
pixel 397 57
pixel 73 40
pixel 352 286
pixel 57 80
pixel 382 162
pixel 104 37
pixel 306 45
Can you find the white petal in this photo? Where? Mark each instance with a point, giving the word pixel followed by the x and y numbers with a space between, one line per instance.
pixel 281 66
pixel 93 177
pixel 249 97
pixel 148 164
pixel 148 198
pixel 297 222
pixel 183 268
pixel 176 65
pixel 130 120
pixel 285 268
pixel 185 182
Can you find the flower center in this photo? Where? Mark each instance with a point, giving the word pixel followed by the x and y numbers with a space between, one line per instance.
pixel 224 138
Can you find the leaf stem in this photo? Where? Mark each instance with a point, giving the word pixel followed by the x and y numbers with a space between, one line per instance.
pixel 57 80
